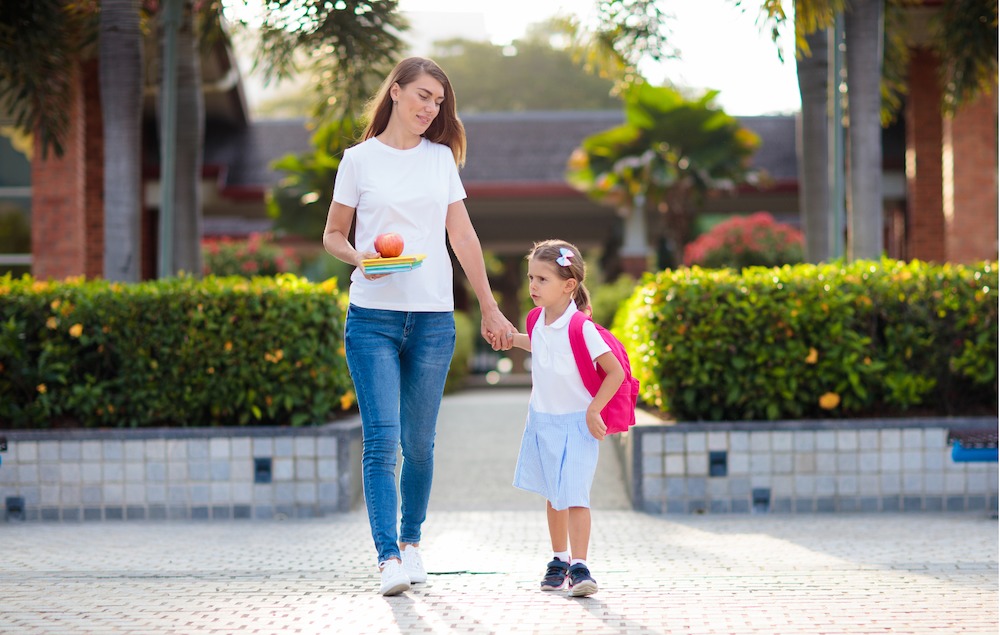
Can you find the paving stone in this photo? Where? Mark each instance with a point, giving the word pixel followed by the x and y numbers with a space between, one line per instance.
pixel 485 545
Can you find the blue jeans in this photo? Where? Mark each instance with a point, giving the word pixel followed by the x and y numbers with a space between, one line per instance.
pixel 399 363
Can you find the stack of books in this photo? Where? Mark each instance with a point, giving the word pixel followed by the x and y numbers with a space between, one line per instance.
pixel 393 265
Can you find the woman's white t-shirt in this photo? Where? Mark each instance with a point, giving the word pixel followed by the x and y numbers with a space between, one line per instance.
pixel 556 386
pixel 407 192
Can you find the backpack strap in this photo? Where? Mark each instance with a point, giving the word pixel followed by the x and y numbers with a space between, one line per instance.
pixel 532 318
pixel 584 364
pixel 588 373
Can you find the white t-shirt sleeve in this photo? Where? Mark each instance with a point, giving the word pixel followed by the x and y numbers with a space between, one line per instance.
pixel 596 345
pixel 345 185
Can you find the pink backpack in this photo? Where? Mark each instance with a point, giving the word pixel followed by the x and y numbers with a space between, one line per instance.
pixel 619 414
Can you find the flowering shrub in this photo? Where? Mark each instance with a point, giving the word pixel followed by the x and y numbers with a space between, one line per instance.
pixel 859 339
pixel 255 256
pixel 746 241
pixel 171 352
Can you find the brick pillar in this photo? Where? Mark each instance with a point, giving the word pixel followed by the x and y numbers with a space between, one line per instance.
pixel 970 177
pixel 925 222
pixel 67 207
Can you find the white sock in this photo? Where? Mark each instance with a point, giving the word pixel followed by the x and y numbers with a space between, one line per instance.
pixel 562 555
pixel 576 561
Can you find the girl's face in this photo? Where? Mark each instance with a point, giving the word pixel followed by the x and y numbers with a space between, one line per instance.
pixel 548 289
pixel 418 103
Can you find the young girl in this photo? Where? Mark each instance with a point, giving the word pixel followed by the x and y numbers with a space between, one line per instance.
pixel 559 448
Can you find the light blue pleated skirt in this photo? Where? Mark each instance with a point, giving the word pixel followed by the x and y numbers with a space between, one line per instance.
pixel 558 458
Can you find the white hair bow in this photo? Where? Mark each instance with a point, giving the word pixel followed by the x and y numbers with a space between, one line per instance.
pixel 563 259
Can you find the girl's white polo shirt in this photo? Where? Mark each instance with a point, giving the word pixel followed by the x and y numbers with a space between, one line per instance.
pixel 556 386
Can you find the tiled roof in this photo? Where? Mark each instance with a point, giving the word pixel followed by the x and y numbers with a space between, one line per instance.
pixel 513 147
pixel 528 146
pixel 247 153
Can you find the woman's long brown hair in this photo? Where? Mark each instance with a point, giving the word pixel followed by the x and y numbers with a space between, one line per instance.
pixel 446 128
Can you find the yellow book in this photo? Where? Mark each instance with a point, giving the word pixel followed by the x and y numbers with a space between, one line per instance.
pixel 369 263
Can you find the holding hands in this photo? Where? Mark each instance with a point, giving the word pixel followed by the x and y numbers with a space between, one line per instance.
pixel 497 330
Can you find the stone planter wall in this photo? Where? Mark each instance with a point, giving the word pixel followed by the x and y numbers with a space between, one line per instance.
pixel 198 473
pixel 882 465
pixel 261 473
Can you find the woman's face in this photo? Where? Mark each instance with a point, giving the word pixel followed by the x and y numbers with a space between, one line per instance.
pixel 418 103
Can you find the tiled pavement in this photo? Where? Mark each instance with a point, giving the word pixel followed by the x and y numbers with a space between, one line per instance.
pixel 485 545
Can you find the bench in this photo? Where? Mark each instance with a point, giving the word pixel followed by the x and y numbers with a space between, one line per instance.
pixel 973 445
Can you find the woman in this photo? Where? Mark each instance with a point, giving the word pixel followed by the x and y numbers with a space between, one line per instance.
pixel 400 332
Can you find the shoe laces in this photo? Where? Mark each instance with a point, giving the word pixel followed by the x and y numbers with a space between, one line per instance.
pixel 556 568
pixel 578 574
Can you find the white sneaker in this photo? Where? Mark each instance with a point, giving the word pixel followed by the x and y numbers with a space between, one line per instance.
pixel 413 564
pixel 394 578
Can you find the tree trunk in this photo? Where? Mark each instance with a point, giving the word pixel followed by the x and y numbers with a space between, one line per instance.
pixel 863 31
pixel 813 157
pixel 190 141
pixel 121 79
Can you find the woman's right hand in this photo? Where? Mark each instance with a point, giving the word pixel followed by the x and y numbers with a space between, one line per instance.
pixel 365 255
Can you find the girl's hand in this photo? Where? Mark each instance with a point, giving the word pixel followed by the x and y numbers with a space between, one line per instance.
pixel 596 424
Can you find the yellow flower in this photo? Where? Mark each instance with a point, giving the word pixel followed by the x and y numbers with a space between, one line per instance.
pixel 76 330
pixel 228 346
pixel 813 356
pixel 210 370
pixel 55 304
pixel 52 323
pixel 41 388
pixel 829 401
pixel 578 160
pixel 274 357
pixel 347 400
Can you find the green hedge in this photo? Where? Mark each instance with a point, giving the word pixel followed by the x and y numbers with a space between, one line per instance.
pixel 465 345
pixel 175 352
pixel 867 338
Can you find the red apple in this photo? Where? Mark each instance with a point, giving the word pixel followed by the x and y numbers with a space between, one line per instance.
pixel 389 245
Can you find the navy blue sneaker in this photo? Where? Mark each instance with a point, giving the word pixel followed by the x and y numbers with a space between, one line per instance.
pixel 580 581
pixel 555 575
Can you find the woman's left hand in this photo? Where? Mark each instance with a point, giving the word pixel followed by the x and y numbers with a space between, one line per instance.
pixel 497 330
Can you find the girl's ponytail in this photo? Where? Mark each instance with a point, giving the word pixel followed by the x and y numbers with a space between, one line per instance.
pixel 582 297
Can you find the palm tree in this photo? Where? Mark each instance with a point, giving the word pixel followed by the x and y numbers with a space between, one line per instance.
pixel 624 33
pixel 814 183
pixel 121 65
pixel 966 41
pixel 190 141
pixel 41 42
pixel 348 47
pixel 669 152
pixel 863 32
